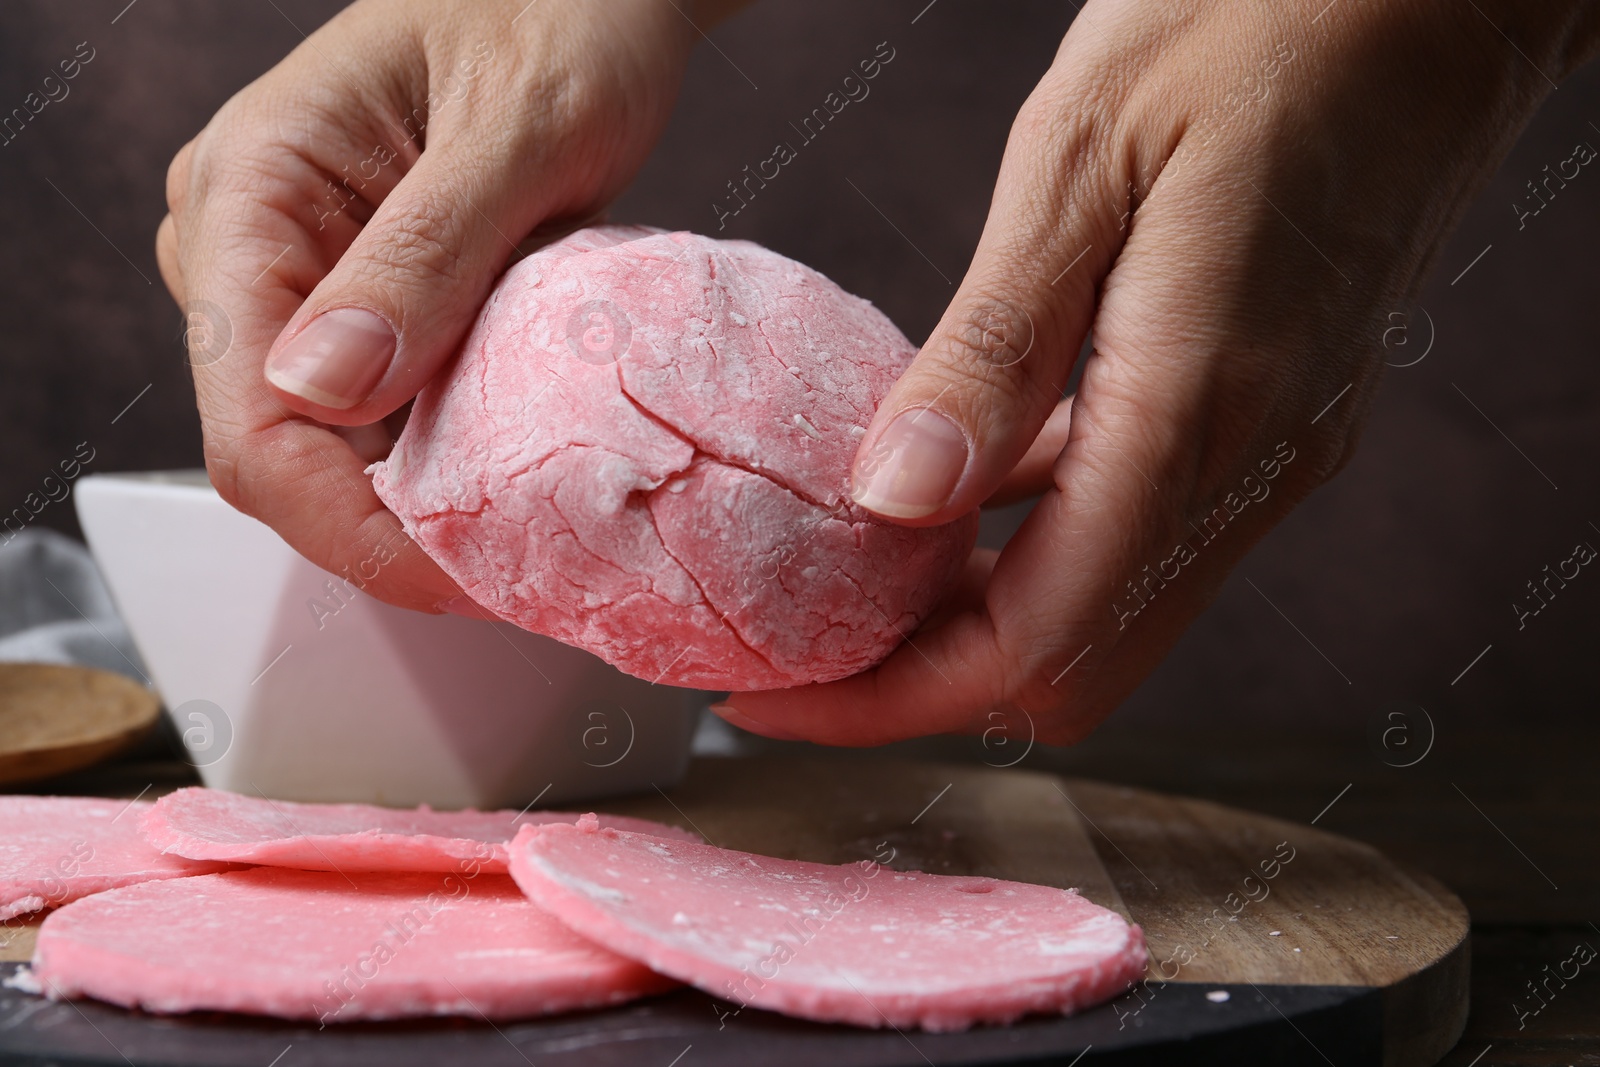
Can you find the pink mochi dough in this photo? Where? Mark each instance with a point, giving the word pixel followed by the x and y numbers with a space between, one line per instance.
pixel 54 850
pixel 644 450
pixel 332 947
pixel 854 943
pixel 210 824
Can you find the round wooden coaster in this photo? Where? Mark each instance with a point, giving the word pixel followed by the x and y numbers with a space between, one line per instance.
pixel 55 719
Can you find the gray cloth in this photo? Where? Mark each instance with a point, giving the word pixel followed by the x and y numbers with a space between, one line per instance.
pixel 55 607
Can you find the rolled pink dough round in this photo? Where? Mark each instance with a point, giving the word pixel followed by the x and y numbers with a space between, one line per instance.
pixel 644 449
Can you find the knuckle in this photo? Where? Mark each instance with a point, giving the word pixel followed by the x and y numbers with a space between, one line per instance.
pixel 167 240
pixel 234 130
pixel 564 100
pixel 261 140
pixel 259 473
pixel 179 172
pixel 1064 126
pixel 246 468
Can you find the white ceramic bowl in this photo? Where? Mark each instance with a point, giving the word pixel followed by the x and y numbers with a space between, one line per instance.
pixel 285 682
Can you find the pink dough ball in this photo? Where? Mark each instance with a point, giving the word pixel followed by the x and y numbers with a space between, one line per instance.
pixel 644 449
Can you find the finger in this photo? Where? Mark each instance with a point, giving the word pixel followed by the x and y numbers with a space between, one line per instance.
pixel 967 596
pixel 400 300
pixel 1047 618
pixel 1032 474
pixel 965 412
pixel 371 442
pixel 931 684
pixel 249 252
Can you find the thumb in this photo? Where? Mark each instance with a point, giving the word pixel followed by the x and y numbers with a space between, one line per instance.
pixel 965 412
pixel 395 307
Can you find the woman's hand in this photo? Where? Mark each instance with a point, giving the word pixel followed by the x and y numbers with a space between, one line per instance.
pixel 337 225
pixel 1231 198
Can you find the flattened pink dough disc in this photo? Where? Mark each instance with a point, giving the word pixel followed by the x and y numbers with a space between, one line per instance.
pixel 858 943
pixel 310 945
pixel 644 450
pixel 212 824
pixel 57 849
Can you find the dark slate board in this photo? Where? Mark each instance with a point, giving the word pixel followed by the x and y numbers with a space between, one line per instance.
pixel 1257 1026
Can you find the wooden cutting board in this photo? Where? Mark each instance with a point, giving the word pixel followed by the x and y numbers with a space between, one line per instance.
pixel 1270 942
pixel 1195 876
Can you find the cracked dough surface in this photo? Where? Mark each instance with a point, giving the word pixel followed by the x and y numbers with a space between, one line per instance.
pixel 644 450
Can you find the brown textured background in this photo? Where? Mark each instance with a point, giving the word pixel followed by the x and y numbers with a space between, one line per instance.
pixel 1401 571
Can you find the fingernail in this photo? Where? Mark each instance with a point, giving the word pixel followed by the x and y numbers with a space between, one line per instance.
pixel 760 729
pixel 336 360
pixel 913 468
pixel 466 607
